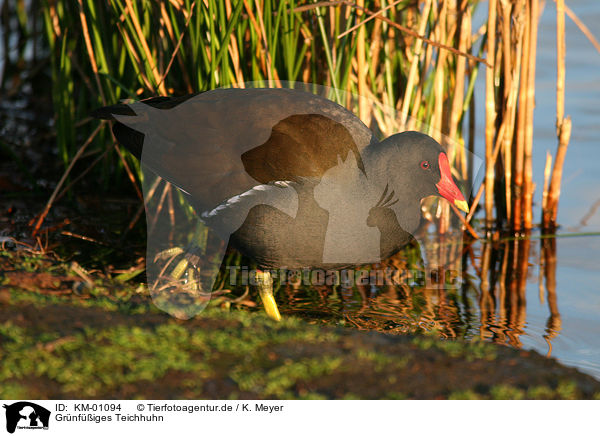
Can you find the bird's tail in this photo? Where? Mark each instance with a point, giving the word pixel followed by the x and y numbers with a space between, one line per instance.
pixel 128 137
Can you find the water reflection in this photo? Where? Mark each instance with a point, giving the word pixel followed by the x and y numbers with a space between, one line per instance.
pixel 490 302
pixel 548 271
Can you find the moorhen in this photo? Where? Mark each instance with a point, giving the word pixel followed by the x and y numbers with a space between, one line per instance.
pixel 289 178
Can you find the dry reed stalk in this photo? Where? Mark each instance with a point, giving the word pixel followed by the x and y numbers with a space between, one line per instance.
pixel 434 43
pixel 306 71
pixel 511 67
pixel 81 175
pixel 521 121
pixel 438 78
pixel 271 72
pixel 171 211
pixel 361 69
pixel 416 106
pixel 458 157
pixel 506 46
pixel 547 169
pixel 148 54
pixel 516 40
pixel 414 64
pixel 42 216
pixel 391 23
pixel 371 17
pixel 584 29
pixel 167 22
pixel 493 159
pixel 176 49
pixel 331 15
pixel 439 96
pixel 464 23
pixel 260 54
pixel 466 225
pixel 549 218
pixel 134 53
pixel 451 90
pixel 410 20
pixel 161 202
pixel 90 51
pixel 490 114
pixel 471 143
pixel 129 172
pixel 507 62
pixel 563 125
pixel 527 163
pixel 178 5
pixel 234 51
pixel 375 50
pixel 54 19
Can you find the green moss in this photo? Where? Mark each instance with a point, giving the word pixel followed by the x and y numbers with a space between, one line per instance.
pixel 396 396
pixel 465 395
pixel 383 361
pixel 12 391
pixel 311 396
pixel 455 348
pixel 506 392
pixel 98 299
pixel 279 380
pixel 540 393
pixel 567 390
pixel 91 362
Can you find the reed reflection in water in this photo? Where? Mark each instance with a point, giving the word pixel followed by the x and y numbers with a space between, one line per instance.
pixel 490 301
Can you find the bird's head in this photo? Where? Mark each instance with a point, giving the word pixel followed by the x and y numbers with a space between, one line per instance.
pixel 419 167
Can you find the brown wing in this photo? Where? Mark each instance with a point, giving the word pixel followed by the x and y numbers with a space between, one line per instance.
pixel 305 145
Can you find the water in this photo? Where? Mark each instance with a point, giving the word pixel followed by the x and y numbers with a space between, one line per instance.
pixel 561 320
pixel 578 259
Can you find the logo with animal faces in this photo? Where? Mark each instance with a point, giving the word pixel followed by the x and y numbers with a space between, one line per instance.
pixel 24 415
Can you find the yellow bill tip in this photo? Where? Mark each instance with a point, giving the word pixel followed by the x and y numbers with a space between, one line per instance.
pixel 462 205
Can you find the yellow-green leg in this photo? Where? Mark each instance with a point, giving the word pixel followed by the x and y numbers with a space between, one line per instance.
pixel 265 289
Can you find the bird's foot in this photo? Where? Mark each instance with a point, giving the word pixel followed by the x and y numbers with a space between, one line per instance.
pixel 265 290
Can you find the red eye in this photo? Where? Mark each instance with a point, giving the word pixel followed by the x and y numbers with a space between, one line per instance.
pixel 425 165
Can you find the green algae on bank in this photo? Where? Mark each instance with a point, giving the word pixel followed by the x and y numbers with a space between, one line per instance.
pixel 65 351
